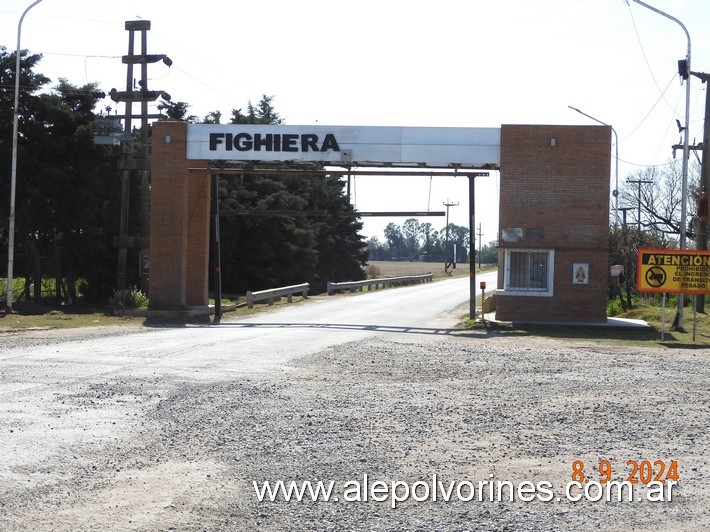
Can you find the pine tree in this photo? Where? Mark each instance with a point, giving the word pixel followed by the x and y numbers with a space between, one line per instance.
pixel 266 251
pixel 66 187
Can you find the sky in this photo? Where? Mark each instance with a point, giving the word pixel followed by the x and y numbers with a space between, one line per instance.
pixel 450 63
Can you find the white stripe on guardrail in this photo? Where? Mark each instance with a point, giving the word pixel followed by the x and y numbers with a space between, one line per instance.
pixel 273 293
pixel 384 283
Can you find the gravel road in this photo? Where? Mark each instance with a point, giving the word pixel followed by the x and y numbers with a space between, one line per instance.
pixel 155 450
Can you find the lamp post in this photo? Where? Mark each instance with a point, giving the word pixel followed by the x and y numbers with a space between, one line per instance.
pixel 13 171
pixel 616 156
pixel 684 192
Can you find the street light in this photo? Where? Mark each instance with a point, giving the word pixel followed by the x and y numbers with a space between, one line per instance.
pixel 686 149
pixel 616 142
pixel 13 171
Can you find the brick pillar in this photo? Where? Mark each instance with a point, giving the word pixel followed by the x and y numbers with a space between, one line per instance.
pixel 179 222
pixel 554 192
pixel 198 235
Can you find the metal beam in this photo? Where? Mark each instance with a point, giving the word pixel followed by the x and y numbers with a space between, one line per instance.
pixel 305 212
pixel 399 213
pixel 305 171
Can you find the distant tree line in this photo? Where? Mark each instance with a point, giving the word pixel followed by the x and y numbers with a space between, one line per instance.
pixel 415 241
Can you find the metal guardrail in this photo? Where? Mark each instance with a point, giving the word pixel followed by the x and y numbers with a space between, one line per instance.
pixel 384 283
pixel 272 294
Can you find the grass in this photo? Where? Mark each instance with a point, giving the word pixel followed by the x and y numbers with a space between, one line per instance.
pixel 30 316
pixel 40 317
pixel 649 312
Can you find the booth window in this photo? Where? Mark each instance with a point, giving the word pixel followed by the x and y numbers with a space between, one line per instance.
pixel 529 271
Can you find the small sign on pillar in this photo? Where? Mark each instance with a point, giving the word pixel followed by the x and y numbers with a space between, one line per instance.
pixel 580 273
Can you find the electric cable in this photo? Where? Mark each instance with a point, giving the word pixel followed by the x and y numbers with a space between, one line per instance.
pixel 645 58
pixel 651 110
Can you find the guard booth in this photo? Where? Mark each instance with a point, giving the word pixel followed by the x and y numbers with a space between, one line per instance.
pixel 553 213
pixel 553 242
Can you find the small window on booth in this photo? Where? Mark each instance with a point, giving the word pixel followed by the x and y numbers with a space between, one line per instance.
pixel 529 271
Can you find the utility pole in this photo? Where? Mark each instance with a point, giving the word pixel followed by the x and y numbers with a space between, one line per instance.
pixel 480 237
pixel 623 223
pixel 702 242
pixel 447 264
pixel 471 246
pixel 684 68
pixel 639 182
pixel 128 163
pixel 471 242
pixel 627 269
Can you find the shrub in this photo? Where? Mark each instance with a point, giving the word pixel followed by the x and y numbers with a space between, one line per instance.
pixel 129 298
pixel 373 271
pixel 613 307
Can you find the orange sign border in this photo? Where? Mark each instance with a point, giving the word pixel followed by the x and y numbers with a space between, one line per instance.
pixel 642 287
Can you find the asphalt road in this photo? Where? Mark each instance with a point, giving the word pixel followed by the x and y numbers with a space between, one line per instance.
pixel 139 428
pixel 34 373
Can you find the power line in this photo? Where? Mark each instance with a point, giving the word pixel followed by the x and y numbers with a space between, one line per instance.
pixel 646 165
pixel 651 110
pixel 85 56
pixel 673 118
pixel 643 52
pixel 77 19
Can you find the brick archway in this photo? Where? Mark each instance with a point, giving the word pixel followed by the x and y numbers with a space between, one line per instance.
pixel 554 208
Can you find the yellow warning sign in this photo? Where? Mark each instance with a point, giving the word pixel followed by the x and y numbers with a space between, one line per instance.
pixel 673 271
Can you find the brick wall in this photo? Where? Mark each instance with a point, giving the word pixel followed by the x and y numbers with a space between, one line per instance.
pixel 559 195
pixel 179 222
pixel 198 235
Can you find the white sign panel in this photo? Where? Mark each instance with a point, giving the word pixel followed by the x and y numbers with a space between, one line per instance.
pixel 356 145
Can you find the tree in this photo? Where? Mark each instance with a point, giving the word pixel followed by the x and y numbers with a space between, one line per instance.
pixel 377 250
pixel 489 253
pixel 410 235
pixel 263 113
pixel 624 245
pixel 264 251
pixel 69 195
pixel 66 186
pixel 395 241
pixel 213 117
pixel 458 236
pixel 177 111
pixel 657 191
pixel 30 83
pixel 431 249
pixel 415 241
